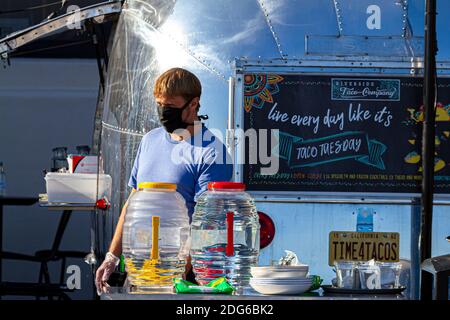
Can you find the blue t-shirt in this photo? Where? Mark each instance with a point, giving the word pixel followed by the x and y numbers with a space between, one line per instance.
pixel 190 164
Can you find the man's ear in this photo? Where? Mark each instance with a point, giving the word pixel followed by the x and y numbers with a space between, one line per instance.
pixel 195 102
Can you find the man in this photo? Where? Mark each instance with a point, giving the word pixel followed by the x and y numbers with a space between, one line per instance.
pixel 175 153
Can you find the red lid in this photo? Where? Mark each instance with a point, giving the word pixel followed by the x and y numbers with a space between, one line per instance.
pixel 226 185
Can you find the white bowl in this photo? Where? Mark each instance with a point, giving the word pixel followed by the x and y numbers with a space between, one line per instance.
pixel 281 281
pixel 299 271
pixel 280 288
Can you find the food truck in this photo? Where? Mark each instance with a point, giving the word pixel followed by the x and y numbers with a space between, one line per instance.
pixel 320 105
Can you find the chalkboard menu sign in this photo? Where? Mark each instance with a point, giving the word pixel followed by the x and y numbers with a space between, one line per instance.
pixel 342 133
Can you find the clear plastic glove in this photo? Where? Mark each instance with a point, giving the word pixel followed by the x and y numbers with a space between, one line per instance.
pixel 104 272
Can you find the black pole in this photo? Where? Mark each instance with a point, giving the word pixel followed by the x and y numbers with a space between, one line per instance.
pixel 428 133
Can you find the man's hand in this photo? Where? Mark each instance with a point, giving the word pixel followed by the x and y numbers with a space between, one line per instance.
pixel 104 272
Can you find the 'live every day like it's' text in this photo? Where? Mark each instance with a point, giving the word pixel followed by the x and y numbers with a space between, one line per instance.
pixel 355 113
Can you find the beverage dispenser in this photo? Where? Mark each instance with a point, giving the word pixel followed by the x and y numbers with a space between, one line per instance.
pixel 155 234
pixel 225 234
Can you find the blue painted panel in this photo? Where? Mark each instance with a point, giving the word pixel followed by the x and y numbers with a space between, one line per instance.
pixel 304 229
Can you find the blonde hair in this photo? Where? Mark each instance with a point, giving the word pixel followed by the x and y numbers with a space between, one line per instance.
pixel 178 82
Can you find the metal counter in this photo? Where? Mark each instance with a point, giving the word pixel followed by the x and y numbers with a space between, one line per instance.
pixel 249 294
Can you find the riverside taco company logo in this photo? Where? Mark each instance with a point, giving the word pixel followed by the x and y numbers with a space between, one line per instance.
pixel 365 89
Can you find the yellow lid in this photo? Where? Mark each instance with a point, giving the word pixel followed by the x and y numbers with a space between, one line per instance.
pixel 157 185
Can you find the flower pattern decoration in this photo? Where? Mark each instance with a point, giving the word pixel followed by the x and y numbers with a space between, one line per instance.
pixel 260 88
pixel 442 135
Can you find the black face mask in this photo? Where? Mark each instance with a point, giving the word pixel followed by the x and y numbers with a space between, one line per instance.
pixel 171 117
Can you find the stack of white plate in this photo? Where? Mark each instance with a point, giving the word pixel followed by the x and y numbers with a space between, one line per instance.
pixel 281 279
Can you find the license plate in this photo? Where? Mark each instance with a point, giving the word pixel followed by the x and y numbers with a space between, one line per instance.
pixel 363 246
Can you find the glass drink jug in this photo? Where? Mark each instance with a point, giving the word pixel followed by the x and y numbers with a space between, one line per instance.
pixel 225 234
pixel 155 233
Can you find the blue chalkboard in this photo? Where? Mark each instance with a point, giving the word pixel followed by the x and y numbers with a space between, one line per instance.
pixel 343 133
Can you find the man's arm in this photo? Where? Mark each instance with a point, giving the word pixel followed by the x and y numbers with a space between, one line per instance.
pixel 116 244
pixel 216 166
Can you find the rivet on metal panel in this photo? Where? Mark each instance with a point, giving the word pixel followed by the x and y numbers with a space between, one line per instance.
pixel 405 18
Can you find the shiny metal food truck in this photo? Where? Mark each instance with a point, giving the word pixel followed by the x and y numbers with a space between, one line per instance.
pixel 319 104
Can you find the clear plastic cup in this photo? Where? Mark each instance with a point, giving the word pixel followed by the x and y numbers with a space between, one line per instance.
pixel 59 159
pixel 83 150
pixel 369 276
pixel 390 274
pixel 345 274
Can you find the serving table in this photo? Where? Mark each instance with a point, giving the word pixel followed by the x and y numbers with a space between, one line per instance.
pixel 248 294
